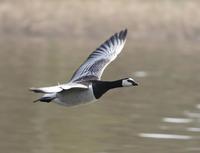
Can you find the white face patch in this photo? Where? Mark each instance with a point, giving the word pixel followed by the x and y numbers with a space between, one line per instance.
pixel 127 82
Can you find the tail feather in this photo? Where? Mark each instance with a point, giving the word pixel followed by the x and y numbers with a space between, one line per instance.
pixel 46 98
pixel 36 100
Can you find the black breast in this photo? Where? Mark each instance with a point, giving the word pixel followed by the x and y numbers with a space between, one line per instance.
pixel 99 88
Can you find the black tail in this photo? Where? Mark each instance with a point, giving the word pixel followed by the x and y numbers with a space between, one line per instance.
pixel 46 98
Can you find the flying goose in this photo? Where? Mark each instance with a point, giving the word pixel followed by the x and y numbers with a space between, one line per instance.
pixel 86 85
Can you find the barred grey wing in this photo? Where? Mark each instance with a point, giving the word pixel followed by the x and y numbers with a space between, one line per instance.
pixel 98 60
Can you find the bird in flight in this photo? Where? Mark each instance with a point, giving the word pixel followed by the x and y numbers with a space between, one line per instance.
pixel 86 85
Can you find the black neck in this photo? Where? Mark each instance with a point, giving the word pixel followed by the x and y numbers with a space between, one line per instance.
pixel 100 87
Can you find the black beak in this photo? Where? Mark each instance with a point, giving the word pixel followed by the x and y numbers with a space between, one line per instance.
pixel 135 84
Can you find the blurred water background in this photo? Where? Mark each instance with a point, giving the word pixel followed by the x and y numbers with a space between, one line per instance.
pixel 44 41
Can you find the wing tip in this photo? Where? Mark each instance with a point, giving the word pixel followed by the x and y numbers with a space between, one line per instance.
pixel 31 89
pixel 123 34
pixel 36 90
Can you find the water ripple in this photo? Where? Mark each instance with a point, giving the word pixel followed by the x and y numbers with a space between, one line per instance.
pixel 165 136
pixel 193 129
pixel 177 120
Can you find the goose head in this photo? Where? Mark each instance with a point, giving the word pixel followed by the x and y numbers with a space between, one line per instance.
pixel 129 82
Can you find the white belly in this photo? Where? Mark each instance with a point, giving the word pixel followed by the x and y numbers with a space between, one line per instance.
pixel 75 96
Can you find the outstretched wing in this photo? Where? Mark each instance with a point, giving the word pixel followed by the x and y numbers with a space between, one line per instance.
pixel 95 64
pixel 59 88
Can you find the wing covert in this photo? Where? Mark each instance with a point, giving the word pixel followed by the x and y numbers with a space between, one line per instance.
pixel 59 88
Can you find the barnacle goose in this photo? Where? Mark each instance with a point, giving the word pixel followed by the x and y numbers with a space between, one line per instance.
pixel 86 85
